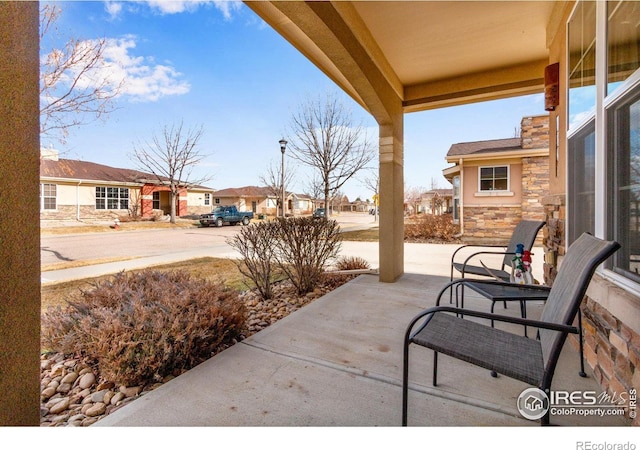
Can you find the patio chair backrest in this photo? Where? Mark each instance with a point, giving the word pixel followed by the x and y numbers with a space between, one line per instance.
pixel 524 233
pixel 568 290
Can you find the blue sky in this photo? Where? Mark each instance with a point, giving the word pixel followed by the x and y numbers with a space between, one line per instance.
pixel 218 65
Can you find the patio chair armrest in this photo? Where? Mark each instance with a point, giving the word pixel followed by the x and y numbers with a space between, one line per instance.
pixel 473 255
pixel 474 245
pixel 485 315
pixel 542 287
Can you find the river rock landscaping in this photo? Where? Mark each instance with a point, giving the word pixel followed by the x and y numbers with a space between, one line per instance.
pixel 74 394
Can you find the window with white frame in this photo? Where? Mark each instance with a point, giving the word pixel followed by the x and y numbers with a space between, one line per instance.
pixel 48 196
pixel 582 173
pixel 623 155
pixel 494 178
pixel 112 198
pixel 217 201
pixel 207 199
pixel 604 197
pixel 456 199
pixel 155 200
pixel 582 63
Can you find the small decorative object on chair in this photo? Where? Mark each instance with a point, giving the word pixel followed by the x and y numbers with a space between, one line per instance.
pixel 521 266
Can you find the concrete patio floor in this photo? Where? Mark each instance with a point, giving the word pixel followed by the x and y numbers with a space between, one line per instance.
pixel 338 362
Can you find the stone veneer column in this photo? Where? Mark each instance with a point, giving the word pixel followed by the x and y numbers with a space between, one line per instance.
pixel 19 216
pixel 553 235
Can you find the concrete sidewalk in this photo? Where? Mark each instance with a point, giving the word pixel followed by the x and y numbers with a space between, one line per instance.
pixel 338 362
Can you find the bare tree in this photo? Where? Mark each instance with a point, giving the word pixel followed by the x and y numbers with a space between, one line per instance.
pixel 272 179
pixel 371 181
pixel 75 82
pixel 324 137
pixel 171 155
pixel 413 197
pixel 314 189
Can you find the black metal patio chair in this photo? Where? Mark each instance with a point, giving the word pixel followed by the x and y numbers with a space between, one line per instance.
pixel 524 233
pixel 448 329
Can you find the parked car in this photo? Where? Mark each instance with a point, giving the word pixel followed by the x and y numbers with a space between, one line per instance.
pixel 225 214
pixel 319 213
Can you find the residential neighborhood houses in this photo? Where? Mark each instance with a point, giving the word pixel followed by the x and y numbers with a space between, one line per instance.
pixel 86 191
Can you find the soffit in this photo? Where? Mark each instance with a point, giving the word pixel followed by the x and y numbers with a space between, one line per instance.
pixel 430 53
pixel 435 40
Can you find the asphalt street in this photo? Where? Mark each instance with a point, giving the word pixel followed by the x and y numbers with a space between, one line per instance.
pixel 116 250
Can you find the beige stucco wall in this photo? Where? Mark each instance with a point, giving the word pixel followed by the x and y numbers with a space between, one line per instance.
pixel 197 198
pixel 76 201
pixel 472 195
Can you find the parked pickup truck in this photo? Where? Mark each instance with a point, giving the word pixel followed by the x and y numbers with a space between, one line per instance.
pixel 225 214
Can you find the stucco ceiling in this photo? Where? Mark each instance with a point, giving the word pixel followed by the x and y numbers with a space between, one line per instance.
pixel 426 41
pixel 429 53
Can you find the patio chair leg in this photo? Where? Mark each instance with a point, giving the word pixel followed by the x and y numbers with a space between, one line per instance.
pixel 523 313
pixel 451 290
pixel 582 373
pixel 405 383
pixel 544 421
pixel 493 304
pixel 435 368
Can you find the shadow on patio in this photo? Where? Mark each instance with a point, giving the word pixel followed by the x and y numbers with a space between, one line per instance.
pixel 338 362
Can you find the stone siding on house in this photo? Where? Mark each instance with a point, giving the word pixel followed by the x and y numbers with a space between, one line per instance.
pixel 535 186
pixel 90 213
pixel 534 131
pixel 611 347
pixel 490 224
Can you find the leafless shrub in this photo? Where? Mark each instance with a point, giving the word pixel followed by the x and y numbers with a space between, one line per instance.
pixel 352 263
pixel 304 247
pixel 255 244
pixel 431 228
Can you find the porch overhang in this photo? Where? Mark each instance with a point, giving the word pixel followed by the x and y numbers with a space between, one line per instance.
pixel 431 54
pixel 395 57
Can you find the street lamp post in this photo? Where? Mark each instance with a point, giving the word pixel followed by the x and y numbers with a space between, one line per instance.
pixel 283 146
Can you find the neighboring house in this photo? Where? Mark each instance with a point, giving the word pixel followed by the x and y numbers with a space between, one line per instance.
pixel 436 202
pixel 344 205
pixel 82 190
pixel 499 182
pixel 263 200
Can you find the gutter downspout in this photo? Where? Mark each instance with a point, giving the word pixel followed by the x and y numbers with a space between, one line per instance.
pixel 78 201
pixel 461 197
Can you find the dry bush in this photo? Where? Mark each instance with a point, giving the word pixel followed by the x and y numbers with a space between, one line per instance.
pixel 304 248
pixel 255 245
pixel 140 327
pixel 334 280
pixel 300 248
pixel 352 263
pixel 431 228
